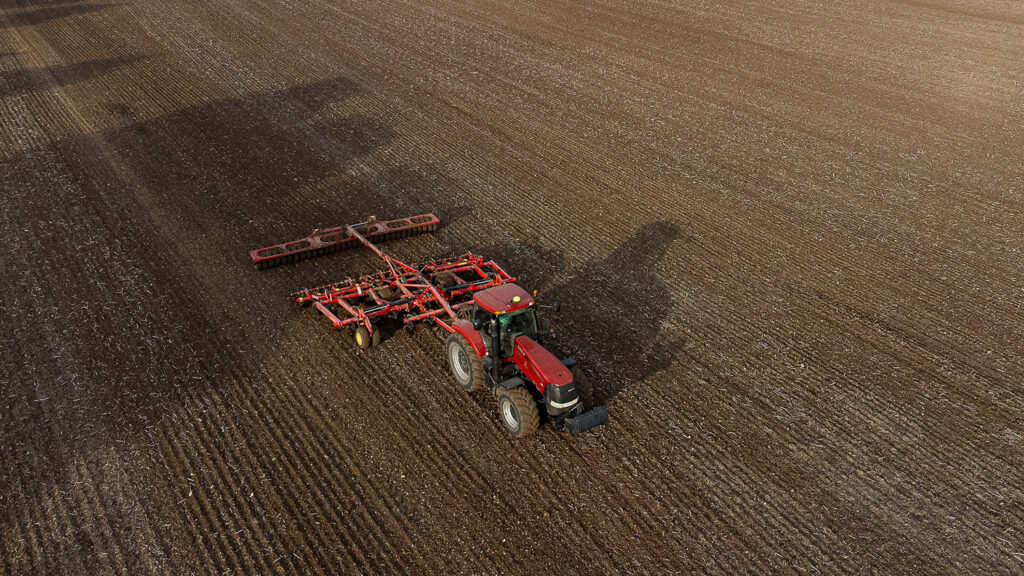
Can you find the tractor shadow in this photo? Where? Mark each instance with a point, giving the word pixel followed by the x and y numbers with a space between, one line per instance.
pixel 611 310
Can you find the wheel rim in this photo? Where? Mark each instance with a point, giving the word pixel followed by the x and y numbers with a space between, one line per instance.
pixel 459 362
pixel 509 414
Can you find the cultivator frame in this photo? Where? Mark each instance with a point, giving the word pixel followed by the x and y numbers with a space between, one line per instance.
pixel 432 290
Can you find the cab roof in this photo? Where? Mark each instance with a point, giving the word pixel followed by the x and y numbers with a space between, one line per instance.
pixel 502 299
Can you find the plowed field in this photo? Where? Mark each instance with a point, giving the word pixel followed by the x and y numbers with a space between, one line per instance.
pixel 787 237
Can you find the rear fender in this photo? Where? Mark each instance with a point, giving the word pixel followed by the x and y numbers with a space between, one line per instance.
pixel 466 329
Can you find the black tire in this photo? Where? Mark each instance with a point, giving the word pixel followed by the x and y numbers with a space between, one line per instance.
pixel 518 412
pixel 375 339
pixel 583 387
pixel 363 339
pixel 466 366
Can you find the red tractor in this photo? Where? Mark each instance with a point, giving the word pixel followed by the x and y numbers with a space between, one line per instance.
pixel 495 336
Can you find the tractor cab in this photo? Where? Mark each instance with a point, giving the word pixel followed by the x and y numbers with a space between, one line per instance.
pixel 496 345
pixel 514 310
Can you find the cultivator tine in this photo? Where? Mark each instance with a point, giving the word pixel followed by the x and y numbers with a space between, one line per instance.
pixel 329 240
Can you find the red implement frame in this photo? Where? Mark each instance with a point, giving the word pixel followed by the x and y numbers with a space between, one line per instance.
pixel 331 239
pixel 434 290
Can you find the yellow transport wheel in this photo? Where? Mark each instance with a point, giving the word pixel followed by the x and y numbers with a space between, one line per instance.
pixel 363 339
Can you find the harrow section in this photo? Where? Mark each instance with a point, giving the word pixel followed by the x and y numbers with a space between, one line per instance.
pixel 433 290
pixel 328 240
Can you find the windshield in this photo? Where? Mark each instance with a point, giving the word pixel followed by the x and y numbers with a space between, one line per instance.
pixel 520 323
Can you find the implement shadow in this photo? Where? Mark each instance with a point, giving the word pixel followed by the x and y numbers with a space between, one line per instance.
pixel 267 165
pixel 47 13
pixel 44 3
pixel 21 81
pixel 114 282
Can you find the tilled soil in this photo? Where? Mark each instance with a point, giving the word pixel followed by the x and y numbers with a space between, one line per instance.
pixel 787 238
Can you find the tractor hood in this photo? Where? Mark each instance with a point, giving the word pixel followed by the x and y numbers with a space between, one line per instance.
pixel 539 365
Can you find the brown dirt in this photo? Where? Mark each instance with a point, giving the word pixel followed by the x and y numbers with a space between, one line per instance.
pixel 787 235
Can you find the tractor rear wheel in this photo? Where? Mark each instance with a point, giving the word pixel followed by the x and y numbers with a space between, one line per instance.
pixel 518 412
pixel 465 365
pixel 583 387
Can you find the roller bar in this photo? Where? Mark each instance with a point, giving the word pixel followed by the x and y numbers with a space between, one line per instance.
pixel 323 241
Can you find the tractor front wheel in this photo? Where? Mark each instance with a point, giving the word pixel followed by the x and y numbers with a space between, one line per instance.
pixel 465 365
pixel 518 412
pixel 583 387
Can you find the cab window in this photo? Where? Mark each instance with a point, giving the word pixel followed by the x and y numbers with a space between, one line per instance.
pixel 481 316
pixel 516 324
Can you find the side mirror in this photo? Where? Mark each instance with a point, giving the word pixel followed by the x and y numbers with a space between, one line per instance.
pixel 556 306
